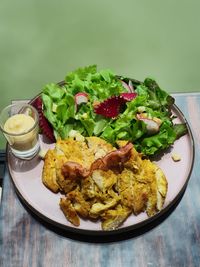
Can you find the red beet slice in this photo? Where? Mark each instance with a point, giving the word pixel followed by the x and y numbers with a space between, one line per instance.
pixel 45 126
pixel 110 107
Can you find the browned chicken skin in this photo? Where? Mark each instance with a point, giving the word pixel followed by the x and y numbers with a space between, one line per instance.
pixel 112 160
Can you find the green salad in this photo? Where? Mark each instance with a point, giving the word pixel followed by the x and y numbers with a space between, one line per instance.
pixel 99 103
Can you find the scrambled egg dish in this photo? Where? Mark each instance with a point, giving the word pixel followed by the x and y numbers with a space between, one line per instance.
pixel 102 182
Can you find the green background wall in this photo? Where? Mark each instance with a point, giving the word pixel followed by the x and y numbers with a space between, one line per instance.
pixel 40 41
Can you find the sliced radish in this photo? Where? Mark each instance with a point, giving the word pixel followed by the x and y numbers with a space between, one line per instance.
pixel 130 84
pixel 151 125
pixel 81 98
pixel 126 86
pixel 128 96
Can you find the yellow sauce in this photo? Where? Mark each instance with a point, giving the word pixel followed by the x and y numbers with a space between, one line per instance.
pixel 20 124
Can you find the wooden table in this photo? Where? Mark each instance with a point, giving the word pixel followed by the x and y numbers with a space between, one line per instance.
pixel 174 240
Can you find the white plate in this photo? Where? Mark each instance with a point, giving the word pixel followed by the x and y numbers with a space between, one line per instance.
pixel 26 176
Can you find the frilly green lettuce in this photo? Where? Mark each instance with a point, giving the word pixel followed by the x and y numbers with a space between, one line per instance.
pixel 60 109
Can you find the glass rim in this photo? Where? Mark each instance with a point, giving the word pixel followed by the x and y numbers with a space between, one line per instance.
pixel 23 105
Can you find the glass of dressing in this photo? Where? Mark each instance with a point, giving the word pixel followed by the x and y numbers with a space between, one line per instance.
pixel 20 125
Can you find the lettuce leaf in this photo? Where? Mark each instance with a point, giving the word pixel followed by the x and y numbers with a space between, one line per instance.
pixel 64 114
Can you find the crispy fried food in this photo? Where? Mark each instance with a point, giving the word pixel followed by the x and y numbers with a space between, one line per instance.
pixel 73 170
pixel 65 185
pixel 157 184
pixel 75 151
pixel 113 218
pixel 98 208
pixel 98 146
pixel 81 206
pixel 102 182
pixel 104 179
pixel 69 211
pixel 112 160
pixel 134 195
pixel 49 171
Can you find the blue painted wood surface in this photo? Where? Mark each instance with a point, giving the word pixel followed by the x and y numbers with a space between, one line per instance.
pixel 26 241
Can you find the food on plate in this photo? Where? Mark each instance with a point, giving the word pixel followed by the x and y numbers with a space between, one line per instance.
pixel 103 182
pixel 44 124
pixel 49 176
pixel 99 103
pixel 176 157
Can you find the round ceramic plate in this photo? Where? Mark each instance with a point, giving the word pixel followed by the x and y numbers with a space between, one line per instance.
pixel 27 179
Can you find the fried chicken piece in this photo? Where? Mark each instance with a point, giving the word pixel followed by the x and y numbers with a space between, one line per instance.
pixel 89 189
pixel 98 208
pixel 158 192
pixel 113 160
pixel 161 188
pixel 113 218
pixel 65 185
pixel 104 179
pixel 81 206
pixel 157 187
pixel 134 195
pixel 73 170
pixel 76 151
pixel 92 193
pixel 135 161
pixel 49 171
pixel 66 151
pixel 145 190
pixel 69 211
pixel 98 146
pixel 149 174
pixel 140 197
